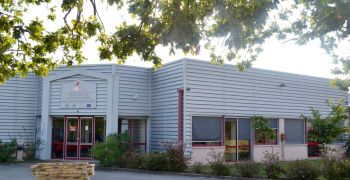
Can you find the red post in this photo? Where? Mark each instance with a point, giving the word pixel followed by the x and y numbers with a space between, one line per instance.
pixel 180 115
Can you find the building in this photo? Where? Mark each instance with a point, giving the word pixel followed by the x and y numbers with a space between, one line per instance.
pixel 206 107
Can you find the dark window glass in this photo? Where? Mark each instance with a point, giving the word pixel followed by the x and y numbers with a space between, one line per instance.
pixel 294 129
pixel 100 129
pixel 57 137
pixel 206 130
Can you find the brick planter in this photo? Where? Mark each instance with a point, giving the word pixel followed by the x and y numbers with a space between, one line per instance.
pixel 63 171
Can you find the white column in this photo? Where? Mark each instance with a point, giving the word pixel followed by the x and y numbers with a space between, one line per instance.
pixel 111 125
pixel 46 124
pixel 281 131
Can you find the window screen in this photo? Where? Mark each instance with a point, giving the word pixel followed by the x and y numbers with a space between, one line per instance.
pixel 206 129
pixel 294 129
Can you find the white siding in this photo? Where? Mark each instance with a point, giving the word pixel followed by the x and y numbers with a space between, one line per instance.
pixel 18 108
pixel 164 113
pixel 134 91
pixel 222 90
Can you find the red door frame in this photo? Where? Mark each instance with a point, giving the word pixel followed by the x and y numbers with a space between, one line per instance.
pixel 79 138
pixel 131 134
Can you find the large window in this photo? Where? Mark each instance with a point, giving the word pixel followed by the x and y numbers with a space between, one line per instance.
pixel 261 139
pixel 207 131
pixel 295 131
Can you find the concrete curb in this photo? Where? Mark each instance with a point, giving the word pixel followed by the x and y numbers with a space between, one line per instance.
pixel 173 173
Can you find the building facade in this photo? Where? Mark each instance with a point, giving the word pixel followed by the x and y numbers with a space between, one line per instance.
pixel 206 107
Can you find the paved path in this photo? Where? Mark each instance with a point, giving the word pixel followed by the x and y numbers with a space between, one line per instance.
pixel 22 172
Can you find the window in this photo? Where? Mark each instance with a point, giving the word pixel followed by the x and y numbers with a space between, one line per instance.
pixel 295 131
pixel 260 139
pixel 207 131
pixel 100 129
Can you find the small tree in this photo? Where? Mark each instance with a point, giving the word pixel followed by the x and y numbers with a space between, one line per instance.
pixel 261 124
pixel 326 130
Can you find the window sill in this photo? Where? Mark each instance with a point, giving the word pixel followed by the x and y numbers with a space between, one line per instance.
pixel 266 145
pixel 207 147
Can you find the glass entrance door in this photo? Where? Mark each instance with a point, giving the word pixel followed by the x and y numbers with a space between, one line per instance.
pixel 86 132
pixel 231 139
pixel 72 137
pixel 237 139
pixel 79 137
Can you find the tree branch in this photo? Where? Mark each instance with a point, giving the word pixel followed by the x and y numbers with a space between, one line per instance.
pixel 65 20
pixel 93 3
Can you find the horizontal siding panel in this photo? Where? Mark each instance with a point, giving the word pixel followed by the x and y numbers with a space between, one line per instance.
pixel 164 113
pixel 18 103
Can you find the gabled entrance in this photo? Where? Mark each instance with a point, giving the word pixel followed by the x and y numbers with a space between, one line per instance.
pixel 74 136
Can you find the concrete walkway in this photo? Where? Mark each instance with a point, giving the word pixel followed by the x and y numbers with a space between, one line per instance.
pixel 22 172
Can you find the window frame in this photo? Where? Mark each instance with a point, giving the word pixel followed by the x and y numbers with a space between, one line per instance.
pixel 276 130
pixel 265 139
pixel 210 143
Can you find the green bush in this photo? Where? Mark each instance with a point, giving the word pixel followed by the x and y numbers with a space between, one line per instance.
pixel 336 169
pixel 155 162
pixel 7 150
pixel 272 165
pixel 171 160
pixel 217 164
pixel 131 160
pixel 248 169
pixel 196 167
pixel 302 170
pixel 109 152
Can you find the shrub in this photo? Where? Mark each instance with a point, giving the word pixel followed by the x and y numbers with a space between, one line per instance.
pixel 336 169
pixel 272 166
pixel 248 169
pixel 176 160
pixel 109 152
pixel 171 160
pixel 32 149
pixel 155 162
pixel 302 170
pixel 217 164
pixel 196 167
pixel 7 149
pixel 130 160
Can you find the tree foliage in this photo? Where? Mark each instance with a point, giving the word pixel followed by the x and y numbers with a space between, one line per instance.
pixel 261 124
pixel 231 30
pixel 326 130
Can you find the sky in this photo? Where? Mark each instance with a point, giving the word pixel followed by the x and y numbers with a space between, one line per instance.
pixel 308 59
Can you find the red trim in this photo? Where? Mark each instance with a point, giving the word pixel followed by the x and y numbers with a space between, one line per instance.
pixel 130 130
pixel 64 138
pixel 180 115
pixel 79 136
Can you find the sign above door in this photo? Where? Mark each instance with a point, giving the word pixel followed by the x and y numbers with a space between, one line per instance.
pixel 78 94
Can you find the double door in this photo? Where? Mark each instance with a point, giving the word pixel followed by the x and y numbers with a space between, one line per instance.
pixel 237 139
pixel 79 137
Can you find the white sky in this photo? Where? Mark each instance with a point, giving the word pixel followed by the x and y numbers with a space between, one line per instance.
pixel 287 57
